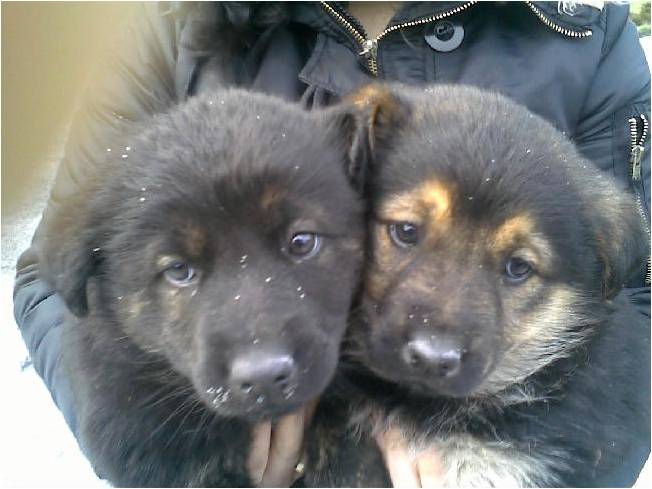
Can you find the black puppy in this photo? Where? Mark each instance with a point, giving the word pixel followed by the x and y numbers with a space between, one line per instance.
pixel 210 265
pixel 486 332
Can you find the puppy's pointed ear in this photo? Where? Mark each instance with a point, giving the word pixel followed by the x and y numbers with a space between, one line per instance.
pixel 382 111
pixel 367 120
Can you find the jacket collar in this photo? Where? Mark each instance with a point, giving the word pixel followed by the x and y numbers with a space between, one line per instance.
pixel 330 58
pixel 572 15
pixel 569 15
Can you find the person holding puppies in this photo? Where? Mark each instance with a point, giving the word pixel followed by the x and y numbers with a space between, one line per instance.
pixel 577 65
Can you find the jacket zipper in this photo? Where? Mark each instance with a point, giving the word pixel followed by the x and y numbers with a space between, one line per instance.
pixel 637 142
pixel 636 148
pixel 370 46
pixel 556 27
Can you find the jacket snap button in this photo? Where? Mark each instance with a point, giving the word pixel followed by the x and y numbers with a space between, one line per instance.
pixel 445 36
pixel 568 8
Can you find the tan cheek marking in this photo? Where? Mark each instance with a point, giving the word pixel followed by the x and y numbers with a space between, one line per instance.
pixel 426 288
pixel 175 309
pixel 383 257
pixel 538 337
pixel 378 280
pixel 546 323
pixel 135 305
pixel 387 263
pixel 375 284
pixel 524 326
pixel 384 249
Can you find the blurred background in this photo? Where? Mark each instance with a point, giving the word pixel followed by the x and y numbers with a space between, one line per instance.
pixel 48 51
pixel 640 14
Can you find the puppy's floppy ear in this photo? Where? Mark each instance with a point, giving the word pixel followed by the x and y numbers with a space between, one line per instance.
pixel 623 244
pixel 366 119
pixel 382 112
pixel 69 256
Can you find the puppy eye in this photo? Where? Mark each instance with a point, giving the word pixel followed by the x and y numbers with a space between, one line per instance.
pixel 517 270
pixel 404 234
pixel 304 245
pixel 180 274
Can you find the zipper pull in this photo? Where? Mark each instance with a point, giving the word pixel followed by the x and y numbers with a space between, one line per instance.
pixel 635 158
pixel 636 151
pixel 369 49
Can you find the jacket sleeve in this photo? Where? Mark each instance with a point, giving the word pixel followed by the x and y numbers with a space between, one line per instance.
pixel 620 94
pixel 139 83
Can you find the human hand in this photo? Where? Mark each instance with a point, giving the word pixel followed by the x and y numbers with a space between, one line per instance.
pixel 407 468
pixel 276 448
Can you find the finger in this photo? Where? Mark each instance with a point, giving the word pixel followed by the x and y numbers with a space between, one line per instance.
pixel 285 450
pixel 259 451
pixel 430 469
pixel 402 469
pixel 309 410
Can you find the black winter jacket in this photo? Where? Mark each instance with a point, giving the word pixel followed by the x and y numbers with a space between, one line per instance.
pixel 580 67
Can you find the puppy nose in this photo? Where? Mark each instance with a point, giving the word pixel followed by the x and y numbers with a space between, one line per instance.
pixel 433 354
pixel 259 371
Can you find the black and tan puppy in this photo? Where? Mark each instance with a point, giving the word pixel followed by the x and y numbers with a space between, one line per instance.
pixel 210 265
pixel 487 333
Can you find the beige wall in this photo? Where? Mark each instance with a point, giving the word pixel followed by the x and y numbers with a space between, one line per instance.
pixel 48 49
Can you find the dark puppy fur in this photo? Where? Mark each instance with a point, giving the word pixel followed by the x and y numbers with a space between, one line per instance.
pixel 486 329
pixel 210 265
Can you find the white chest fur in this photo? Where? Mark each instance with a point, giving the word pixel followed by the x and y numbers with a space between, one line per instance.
pixel 468 462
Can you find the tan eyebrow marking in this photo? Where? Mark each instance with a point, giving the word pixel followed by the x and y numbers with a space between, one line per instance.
pixel 512 231
pixel 271 196
pixel 432 201
pixel 520 234
pixel 195 240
